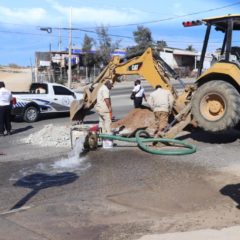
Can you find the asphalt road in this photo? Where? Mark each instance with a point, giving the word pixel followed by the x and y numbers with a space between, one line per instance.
pixel 120 193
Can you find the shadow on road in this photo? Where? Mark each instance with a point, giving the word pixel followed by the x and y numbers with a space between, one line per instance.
pixel 44 116
pixel 208 137
pixel 19 130
pixel 47 116
pixel 38 181
pixel 233 191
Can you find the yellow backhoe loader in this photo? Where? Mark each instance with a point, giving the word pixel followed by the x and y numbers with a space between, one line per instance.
pixel 213 101
pixel 150 67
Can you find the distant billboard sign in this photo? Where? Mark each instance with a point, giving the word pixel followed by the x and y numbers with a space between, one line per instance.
pixel 119 52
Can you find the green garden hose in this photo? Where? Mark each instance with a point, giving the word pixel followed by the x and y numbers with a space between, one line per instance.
pixel 186 147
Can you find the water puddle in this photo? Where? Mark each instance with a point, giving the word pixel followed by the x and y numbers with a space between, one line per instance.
pixel 75 163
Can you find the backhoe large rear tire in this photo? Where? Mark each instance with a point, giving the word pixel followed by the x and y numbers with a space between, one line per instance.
pixel 216 106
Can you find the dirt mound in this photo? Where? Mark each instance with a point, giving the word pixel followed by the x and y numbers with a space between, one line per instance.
pixel 139 118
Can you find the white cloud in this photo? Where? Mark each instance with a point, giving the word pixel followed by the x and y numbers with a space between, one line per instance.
pixel 22 15
pixel 53 13
pixel 178 9
pixel 104 16
pixel 98 16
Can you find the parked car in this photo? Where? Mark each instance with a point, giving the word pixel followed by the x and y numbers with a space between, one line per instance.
pixel 43 98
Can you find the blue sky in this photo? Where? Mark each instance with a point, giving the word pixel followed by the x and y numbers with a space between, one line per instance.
pixel 20 22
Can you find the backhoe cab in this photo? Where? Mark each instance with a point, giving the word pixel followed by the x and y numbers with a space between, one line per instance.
pixel 216 102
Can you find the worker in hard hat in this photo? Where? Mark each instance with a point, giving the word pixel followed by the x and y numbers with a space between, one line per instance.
pixel 104 107
pixel 161 101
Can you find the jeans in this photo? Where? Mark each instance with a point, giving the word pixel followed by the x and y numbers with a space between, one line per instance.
pixel 138 102
pixel 5 119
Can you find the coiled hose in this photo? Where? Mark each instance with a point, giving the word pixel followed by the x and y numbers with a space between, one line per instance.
pixel 186 148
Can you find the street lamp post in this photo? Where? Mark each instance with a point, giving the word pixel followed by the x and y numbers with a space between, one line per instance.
pixel 48 30
pixel 70 51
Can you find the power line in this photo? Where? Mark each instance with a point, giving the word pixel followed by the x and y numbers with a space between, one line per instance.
pixel 33 34
pixel 55 36
pixel 95 32
pixel 175 17
pixel 168 41
pixel 76 29
pixel 146 22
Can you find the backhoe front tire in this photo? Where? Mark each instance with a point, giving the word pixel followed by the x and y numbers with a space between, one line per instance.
pixel 216 106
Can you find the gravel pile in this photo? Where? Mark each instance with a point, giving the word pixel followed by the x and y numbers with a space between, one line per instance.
pixel 50 136
pixel 59 136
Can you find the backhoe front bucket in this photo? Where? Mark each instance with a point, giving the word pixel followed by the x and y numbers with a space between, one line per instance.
pixel 77 111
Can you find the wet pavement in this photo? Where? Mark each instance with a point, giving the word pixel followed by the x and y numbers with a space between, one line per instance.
pixel 119 193
pixel 116 194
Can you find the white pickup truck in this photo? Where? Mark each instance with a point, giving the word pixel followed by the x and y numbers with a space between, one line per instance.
pixel 43 98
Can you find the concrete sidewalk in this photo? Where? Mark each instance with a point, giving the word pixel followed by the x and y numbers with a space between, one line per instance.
pixel 231 233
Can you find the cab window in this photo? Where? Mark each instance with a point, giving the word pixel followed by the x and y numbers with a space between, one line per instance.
pixel 58 90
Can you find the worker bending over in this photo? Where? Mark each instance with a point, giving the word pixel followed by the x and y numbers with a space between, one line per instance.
pixel 161 102
pixel 104 107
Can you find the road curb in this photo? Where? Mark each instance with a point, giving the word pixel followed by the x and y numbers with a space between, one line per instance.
pixel 231 233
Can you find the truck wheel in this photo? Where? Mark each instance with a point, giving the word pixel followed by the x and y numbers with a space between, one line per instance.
pixel 30 114
pixel 215 106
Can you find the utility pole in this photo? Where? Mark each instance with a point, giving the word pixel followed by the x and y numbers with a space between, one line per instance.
pixel 70 51
pixel 59 39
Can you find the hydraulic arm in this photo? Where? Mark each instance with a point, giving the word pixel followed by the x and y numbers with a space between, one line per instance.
pixel 150 67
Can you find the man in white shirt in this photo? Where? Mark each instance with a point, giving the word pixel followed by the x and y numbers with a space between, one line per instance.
pixel 5 110
pixel 161 102
pixel 104 107
pixel 139 94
